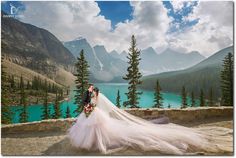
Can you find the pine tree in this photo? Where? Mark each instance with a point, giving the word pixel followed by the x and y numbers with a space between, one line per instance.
pixel 49 87
pixel 211 102
pixel 18 85
pixel 184 98
pixel 133 75
pixel 45 85
pixel 169 106
pixel 68 112
pixel 67 90
pixel 53 88
pixel 82 79
pixel 57 111
pixel 158 99
pixel 28 84
pixel 61 94
pixel 192 99
pixel 13 83
pixel 6 114
pixel 227 80
pixel 39 83
pixel 202 99
pixel 45 108
pixel 118 99
pixel 23 102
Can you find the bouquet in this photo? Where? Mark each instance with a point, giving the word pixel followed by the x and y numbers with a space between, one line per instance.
pixel 88 109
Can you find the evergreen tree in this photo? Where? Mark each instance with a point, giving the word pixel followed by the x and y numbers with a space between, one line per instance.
pixel 68 112
pixel 61 94
pixel 28 85
pixel 82 79
pixel 45 85
pixel 158 100
pixel 39 83
pixel 184 98
pixel 57 111
pixel 169 106
pixel 45 108
pixel 49 87
pixel 23 102
pixel 67 90
pixel 18 85
pixel 202 98
pixel 118 99
pixel 192 99
pixel 227 80
pixel 13 88
pixel 12 82
pixel 211 102
pixel 133 75
pixel 34 83
pixel 53 88
pixel 6 114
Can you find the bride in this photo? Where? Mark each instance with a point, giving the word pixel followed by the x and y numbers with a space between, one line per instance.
pixel 110 129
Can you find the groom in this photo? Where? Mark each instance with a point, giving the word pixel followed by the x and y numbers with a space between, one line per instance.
pixel 87 95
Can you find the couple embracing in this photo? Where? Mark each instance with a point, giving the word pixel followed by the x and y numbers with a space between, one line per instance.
pixel 89 99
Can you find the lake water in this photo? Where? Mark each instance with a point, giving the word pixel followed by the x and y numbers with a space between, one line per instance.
pixel 110 91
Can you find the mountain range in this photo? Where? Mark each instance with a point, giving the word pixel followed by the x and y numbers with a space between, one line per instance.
pixel 203 75
pixel 110 66
pixel 167 60
pixel 103 66
pixel 34 48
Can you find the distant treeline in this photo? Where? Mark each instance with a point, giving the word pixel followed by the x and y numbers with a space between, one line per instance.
pixel 36 84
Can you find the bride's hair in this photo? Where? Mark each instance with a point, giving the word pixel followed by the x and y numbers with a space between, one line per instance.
pixel 96 90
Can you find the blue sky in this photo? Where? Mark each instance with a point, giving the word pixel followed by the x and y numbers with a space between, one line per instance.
pixel 5 6
pixel 116 11
pixel 120 11
pixel 178 16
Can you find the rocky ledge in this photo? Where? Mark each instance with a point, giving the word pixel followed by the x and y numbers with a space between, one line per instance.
pixel 182 116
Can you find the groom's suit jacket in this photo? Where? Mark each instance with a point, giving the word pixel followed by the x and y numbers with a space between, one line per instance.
pixel 87 97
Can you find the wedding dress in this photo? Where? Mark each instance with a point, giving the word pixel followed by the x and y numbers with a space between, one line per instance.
pixel 109 129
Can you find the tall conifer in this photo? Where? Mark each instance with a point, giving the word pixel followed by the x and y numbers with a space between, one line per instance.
pixel 133 75
pixel 227 80
pixel 82 79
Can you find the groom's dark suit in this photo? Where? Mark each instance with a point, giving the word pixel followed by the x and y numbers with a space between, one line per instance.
pixel 87 97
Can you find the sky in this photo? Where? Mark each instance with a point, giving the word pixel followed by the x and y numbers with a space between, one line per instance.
pixel 185 26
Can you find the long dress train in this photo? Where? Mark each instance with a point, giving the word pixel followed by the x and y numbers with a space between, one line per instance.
pixel 109 129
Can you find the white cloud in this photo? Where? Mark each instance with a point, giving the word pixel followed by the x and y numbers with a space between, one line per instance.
pixel 68 20
pixel 213 32
pixel 71 19
pixel 177 5
pixel 150 24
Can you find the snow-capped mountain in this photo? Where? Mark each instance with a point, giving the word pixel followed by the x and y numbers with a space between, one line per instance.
pixel 103 66
pixel 109 66
pixel 168 60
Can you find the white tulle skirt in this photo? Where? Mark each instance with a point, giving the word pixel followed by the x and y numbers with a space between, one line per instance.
pixel 106 134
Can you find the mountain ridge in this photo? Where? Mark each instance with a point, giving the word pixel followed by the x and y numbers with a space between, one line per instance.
pixel 34 48
pixel 203 75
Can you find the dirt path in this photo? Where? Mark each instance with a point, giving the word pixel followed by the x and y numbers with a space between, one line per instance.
pixel 57 144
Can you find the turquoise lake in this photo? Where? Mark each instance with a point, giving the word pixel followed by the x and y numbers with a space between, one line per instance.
pixel 110 91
